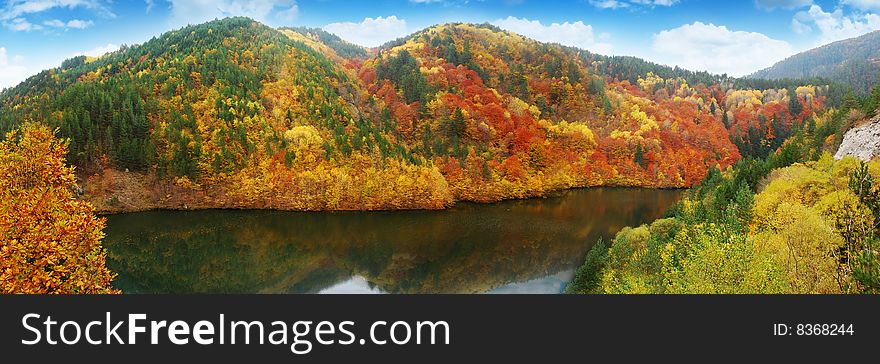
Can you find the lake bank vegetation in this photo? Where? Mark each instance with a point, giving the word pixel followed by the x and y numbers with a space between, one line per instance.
pixel 797 221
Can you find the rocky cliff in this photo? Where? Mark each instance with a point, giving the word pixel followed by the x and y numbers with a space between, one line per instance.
pixel 862 142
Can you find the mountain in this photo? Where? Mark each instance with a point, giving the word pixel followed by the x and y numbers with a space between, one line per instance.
pixel 235 114
pixel 329 44
pixel 854 62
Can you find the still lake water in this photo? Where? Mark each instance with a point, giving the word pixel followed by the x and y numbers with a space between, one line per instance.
pixel 522 246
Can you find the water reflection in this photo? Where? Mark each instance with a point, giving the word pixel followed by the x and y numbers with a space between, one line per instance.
pixel 512 247
pixel 552 284
pixel 353 285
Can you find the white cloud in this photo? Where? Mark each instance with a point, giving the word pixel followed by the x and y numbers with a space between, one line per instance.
pixel 575 34
pixel 79 24
pixel 54 23
pixel 21 24
pixel 199 11
pixel 655 2
pixel 150 4
pixel 716 49
pixel 617 4
pixel 800 28
pixel 18 8
pixel 787 4
pixel 75 23
pixel 289 14
pixel 836 26
pixel 371 32
pixel 863 4
pixel 14 15
pixel 11 72
pixel 608 4
pixel 98 51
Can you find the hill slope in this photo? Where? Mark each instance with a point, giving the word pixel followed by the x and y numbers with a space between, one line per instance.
pixel 232 113
pixel 855 62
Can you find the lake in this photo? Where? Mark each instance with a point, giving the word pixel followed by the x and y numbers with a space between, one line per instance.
pixel 520 246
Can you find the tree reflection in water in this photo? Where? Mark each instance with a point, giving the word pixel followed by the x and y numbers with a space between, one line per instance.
pixel 510 247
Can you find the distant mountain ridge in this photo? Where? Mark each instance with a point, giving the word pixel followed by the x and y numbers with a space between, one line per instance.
pixel 342 47
pixel 855 62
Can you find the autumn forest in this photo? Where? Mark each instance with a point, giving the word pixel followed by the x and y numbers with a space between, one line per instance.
pixel 232 113
pixel 235 114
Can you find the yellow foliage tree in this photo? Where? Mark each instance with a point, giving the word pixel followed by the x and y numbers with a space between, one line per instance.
pixel 50 242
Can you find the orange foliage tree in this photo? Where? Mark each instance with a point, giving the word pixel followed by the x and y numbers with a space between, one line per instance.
pixel 50 242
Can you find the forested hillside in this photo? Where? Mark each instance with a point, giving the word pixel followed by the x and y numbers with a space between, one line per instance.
pixel 796 221
pixel 232 113
pixel 320 38
pixel 854 62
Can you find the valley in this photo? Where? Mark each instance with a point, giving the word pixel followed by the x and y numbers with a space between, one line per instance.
pixel 394 165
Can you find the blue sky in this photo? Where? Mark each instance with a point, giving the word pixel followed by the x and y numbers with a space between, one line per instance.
pixel 734 37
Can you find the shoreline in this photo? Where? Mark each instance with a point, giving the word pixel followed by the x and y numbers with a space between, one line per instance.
pixel 454 204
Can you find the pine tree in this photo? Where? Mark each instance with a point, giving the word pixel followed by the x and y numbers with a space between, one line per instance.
pixel 639 156
pixel 456 124
pixel 873 102
pixel 574 74
pixel 794 105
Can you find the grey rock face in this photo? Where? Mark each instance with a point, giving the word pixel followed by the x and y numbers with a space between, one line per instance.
pixel 862 142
